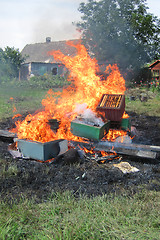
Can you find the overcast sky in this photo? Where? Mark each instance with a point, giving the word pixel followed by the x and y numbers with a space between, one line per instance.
pixel 31 21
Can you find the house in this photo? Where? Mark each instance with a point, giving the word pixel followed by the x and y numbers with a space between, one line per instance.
pixel 38 61
pixel 155 70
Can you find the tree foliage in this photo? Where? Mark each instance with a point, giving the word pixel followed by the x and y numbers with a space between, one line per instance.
pixel 14 56
pixel 10 62
pixel 120 31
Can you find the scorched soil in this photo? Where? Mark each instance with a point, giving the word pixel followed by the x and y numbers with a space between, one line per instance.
pixel 30 178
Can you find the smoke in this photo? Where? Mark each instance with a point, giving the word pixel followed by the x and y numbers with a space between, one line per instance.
pixel 56 21
pixel 57 32
pixel 87 116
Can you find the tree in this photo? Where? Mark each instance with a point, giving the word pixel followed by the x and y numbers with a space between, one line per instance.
pixel 120 31
pixel 6 69
pixel 13 57
pixel 10 62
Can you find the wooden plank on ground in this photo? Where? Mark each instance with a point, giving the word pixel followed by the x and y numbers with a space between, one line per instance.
pixel 130 149
pixel 5 135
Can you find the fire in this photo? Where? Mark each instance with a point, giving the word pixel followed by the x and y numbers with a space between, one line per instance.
pixel 14 107
pixel 113 134
pixel 86 87
pixel 125 115
pixel 17 116
pixel 93 152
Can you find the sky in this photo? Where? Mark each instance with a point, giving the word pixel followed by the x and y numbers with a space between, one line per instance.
pixel 31 21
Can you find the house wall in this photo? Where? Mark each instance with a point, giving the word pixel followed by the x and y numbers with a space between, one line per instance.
pixel 156 71
pixel 24 72
pixel 38 69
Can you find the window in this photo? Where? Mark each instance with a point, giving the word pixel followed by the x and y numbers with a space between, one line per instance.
pixel 54 71
pixel 155 73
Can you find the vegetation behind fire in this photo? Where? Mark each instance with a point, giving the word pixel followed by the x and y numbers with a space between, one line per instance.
pixel 10 62
pixel 121 32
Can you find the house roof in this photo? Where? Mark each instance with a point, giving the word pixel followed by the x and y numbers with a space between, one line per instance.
pixel 38 52
pixel 155 63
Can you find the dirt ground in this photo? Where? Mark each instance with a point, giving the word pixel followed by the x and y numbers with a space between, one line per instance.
pixel 80 176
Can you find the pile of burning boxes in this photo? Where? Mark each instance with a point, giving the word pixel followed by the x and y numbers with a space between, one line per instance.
pixel 112 106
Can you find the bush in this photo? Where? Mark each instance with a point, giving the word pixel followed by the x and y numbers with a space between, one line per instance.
pixel 42 82
pixel 155 86
pixel 7 72
pixel 48 81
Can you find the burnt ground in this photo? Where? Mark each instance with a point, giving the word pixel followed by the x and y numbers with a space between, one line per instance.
pixel 80 176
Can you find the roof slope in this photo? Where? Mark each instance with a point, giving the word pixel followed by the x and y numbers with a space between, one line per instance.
pixel 38 52
pixel 155 63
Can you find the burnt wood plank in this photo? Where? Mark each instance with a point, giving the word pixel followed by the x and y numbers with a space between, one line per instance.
pixel 5 135
pixel 130 149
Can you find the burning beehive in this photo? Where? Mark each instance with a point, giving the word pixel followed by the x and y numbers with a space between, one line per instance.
pixel 113 105
pixel 87 131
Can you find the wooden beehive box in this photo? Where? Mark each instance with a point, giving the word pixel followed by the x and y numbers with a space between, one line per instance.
pixel 113 105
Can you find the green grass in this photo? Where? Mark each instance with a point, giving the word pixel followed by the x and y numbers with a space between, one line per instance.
pixel 64 217
pixel 150 108
pixel 25 98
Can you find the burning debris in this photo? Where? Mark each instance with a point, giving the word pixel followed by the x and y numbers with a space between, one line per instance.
pixel 113 106
pixel 86 88
pixel 99 156
pixel 88 131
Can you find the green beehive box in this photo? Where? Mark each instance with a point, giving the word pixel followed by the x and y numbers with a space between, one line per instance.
pixel 125 124
pixel 42 151
pixel 88 131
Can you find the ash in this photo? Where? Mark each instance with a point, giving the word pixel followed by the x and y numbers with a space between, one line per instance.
pixel 92 122
pixel 87 116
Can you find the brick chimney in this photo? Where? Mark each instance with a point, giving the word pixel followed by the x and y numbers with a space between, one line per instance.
pixel 48 39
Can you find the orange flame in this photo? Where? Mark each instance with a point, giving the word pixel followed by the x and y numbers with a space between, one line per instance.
pixel 86 88
pixel 125 115
pixel 14 107
pixel 92 152
pixel 16 116
pixel 113 134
